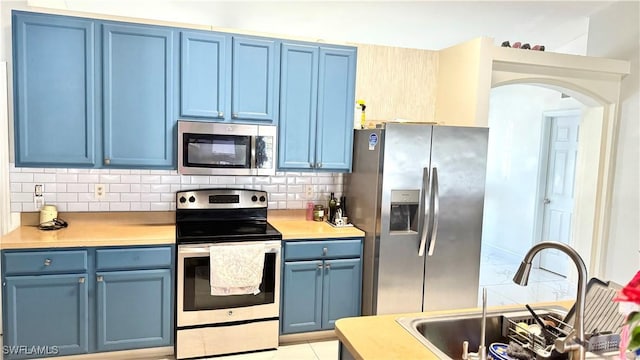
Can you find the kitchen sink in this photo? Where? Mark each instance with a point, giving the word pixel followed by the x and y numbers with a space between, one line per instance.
pixel 444 335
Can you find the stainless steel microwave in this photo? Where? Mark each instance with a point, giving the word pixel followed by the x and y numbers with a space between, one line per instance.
pixel 208 148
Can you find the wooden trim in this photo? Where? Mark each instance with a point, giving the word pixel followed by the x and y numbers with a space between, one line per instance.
pixel 5 194
pixel 300 338
pixel 160 353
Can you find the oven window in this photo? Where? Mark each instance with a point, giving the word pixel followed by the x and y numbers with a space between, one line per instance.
pixel 217 151
pixel 197 291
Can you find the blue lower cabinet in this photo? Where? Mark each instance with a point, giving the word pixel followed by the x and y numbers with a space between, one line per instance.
pixel 341 290
pixel 134 309
pixel 322 283
pixel 112 298
pixel 46 316
pixel 302 303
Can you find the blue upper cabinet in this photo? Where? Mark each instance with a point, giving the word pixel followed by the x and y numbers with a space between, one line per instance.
pixel 138 78
pixel 54 85
pixel 204 87
pixel 336 102
pixel 254 79
pixel 316 105
pixel 298 94
pixel 228 78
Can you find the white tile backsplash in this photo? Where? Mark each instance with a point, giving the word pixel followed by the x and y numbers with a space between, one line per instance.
pixel 154 190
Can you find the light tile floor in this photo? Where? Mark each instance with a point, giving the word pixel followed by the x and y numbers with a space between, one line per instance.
pixel 320 350
pixel 497 268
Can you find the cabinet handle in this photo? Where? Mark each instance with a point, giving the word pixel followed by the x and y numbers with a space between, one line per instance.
pixel 47 262
pixel 312 165
pixel 81 280
pixel 319 165
pixel 234 115
pixel 327 266
pixel 100 278
pixel 320 266
pixel 107 161
pixel 220 114
pixel 229 313
pixel 324 251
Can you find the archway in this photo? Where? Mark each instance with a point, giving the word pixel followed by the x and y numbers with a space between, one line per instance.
pixel 600 93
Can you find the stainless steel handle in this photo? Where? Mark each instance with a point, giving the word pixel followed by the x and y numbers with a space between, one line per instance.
pixel 253 152
pixel 81 280
pixel 107 161
pixel 425 205
pixel 436 210
pixel 220 114
pixel 100 278
pixel 320 266
pixel 324 251
pixel 47 262
pixel 547 201
pixel 327 266
pixel 234 115
pixel 312 165
pixel 318 165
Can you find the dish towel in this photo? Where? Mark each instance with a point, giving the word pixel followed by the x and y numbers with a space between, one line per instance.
pixel 236 269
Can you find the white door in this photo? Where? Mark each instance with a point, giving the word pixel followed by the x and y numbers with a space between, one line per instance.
pixel 559 189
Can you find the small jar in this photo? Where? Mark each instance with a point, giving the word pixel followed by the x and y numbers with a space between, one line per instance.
pixel 318 213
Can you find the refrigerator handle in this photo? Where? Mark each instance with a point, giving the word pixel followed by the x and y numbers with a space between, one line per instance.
pixel 425 203
pixel 436 210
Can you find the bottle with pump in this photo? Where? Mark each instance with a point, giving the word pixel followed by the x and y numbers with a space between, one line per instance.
pixel 332 208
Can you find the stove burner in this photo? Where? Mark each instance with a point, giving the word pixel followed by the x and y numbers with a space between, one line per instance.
pixel 211 222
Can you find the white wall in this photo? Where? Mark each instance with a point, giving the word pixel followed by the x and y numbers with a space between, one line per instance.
pixel 607 40
pixel 515 133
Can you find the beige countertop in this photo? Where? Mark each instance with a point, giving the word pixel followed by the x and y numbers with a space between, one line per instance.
pixel 94 229
pixel 381 337
pixel 146 228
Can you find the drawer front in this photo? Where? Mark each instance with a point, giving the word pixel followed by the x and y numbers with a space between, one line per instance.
pixel 133 258
pixel 329 249
pixel 45 262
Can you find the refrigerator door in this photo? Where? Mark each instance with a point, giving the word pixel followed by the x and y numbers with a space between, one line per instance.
pixel 364 188
pixel 400 269
pixel 458 168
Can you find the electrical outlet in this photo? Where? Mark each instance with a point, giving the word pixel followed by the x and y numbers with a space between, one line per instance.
pixel 38 196
pixel 100 191
pixel 308 191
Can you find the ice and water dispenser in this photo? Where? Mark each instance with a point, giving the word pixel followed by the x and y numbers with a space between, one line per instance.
pixel 403 216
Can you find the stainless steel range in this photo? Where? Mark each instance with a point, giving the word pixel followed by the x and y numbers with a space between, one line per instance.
pixel 206 221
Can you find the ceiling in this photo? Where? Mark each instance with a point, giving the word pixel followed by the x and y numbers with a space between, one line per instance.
pixel 418 24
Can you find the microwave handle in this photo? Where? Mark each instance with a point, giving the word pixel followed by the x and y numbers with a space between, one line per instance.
pixel 253 152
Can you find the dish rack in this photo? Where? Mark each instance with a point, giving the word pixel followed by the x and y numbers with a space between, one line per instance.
pixel 601 320
pixel 543 347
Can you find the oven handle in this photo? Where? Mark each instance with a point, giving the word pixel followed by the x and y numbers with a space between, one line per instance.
pixel 185 250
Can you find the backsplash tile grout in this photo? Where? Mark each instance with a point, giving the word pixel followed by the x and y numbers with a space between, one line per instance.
pixel 154 190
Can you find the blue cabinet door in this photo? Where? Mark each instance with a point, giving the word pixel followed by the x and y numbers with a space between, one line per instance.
pixel 341 290
pixel 302 296
pixel 254 79
pixel 47 314
pixel 134 309
pixel 204 88
pixel 336 102
pixel 54 79
pixel 138 78
pixel 298 101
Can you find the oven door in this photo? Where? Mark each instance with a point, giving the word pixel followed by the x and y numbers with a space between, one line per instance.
pixel 196 305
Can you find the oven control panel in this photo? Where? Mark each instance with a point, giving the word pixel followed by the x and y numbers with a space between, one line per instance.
pixel 221 199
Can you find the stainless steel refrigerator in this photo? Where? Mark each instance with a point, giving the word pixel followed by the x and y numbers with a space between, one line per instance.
pixel 417 190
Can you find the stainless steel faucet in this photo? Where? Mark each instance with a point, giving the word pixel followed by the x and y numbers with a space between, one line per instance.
pixel 574 342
